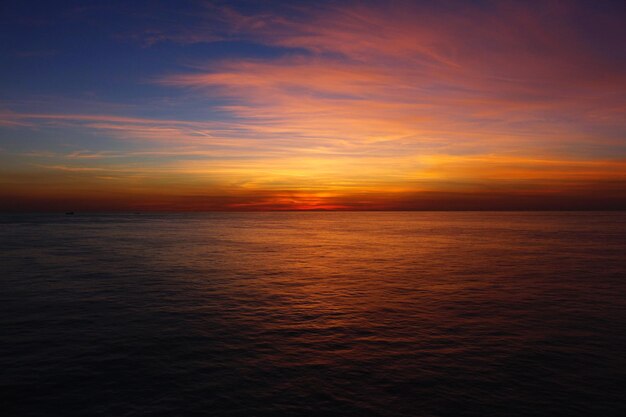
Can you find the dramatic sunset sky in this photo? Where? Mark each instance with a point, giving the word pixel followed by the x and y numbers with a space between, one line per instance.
pixel 244 105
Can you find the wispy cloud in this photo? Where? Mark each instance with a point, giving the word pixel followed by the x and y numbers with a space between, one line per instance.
pixel 70 168
pixel 467 74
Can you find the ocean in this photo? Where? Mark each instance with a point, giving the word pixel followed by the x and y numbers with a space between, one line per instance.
pixel 313 314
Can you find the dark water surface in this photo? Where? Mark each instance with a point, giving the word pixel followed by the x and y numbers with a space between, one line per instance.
pixel 313 314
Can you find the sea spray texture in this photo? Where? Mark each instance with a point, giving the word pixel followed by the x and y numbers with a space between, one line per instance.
pixel 306 314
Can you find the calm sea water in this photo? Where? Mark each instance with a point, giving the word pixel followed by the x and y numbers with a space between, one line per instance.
pixel 313 314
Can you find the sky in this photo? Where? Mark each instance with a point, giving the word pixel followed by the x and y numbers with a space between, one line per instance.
pixel 326 105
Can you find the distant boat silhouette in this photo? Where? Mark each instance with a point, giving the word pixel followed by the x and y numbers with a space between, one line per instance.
pixel 69 212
